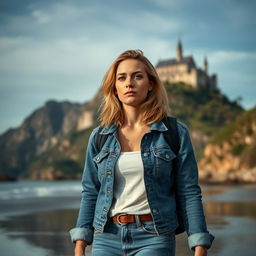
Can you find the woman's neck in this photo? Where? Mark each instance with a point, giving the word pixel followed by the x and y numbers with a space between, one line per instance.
pixel 132 117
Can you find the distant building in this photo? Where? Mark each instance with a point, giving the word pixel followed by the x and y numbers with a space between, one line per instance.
pixel 183 69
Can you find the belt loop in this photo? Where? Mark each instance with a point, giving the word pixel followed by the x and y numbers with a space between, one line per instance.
pixel 138 222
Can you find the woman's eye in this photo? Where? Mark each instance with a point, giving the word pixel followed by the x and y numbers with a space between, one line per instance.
pixel 139 76
pixel 121 78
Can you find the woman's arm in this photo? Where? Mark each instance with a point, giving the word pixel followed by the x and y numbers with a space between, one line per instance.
pixel 80 248
pixel 200 251
pixel 90 183
pixel 189 194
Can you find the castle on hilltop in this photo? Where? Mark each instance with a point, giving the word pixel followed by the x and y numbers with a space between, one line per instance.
pixel 184 69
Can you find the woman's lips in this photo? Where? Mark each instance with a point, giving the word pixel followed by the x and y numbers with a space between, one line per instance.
pixel 130 93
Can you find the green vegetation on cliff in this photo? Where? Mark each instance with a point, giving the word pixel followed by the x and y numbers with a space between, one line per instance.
pixel 241 136
pixel 243 125
pixel 203 109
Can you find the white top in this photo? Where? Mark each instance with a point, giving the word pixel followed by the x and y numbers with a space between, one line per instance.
pixel 129 188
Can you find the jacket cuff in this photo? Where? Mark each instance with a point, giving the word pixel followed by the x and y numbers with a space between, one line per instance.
pixel 85 234
pixel 203 239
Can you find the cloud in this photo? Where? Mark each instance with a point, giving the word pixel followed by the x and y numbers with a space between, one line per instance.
pixel 40 17
pixel 61 49
pixel 168 5
pixel 59 44
pixel 221 57
pixel 240 13
pixel 24 55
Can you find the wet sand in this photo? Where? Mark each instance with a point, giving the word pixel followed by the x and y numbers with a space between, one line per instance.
pixel 39 226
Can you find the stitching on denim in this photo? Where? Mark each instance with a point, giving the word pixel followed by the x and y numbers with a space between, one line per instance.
pixel 148 231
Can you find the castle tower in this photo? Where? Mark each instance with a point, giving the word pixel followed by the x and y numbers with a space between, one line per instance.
pixel 179 51
pixel 183 69
pixel 205 65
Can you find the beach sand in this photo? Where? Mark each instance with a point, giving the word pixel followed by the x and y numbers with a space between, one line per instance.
pixel 39 225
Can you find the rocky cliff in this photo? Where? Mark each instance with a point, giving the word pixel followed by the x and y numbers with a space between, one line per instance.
pixel 45 129
pixel 231 154
pixel 50 143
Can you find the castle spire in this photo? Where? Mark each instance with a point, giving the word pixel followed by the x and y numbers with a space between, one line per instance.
pixel 205 65
pixel 179 51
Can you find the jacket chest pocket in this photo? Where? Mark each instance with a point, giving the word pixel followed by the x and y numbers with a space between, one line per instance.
pixel 101 160
pixel 163 161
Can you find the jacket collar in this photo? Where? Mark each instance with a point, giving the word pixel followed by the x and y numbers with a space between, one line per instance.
pixel 158 126
pixel 110 129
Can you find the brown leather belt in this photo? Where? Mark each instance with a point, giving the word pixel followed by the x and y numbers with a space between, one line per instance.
pixel 126 218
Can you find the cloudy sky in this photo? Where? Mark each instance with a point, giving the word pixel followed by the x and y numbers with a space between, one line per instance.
pixel 57 49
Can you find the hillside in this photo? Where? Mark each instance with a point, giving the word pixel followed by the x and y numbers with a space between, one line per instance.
pixel 51 142
pixel 204 111
pixel 230 154
pixel 45 129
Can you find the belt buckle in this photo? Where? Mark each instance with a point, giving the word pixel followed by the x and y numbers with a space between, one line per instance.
pixel 118 218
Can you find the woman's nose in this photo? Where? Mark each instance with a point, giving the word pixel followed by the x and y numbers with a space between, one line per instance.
pixel 129 86
pixel 129 83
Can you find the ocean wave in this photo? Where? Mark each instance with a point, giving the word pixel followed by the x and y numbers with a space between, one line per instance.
pixel 24 190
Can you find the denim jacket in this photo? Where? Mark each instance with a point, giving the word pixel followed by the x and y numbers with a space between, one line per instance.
pixel 98 179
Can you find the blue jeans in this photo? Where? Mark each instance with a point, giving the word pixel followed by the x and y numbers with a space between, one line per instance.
pixel 133 239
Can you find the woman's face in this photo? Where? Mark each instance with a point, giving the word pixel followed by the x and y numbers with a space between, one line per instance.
pixel 132 83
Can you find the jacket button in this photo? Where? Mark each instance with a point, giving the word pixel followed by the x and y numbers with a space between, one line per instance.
pixel 109 172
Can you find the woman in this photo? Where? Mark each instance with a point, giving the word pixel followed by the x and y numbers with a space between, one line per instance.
pixel 128 203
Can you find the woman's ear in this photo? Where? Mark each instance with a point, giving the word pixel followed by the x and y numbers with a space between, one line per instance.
pixel 150 88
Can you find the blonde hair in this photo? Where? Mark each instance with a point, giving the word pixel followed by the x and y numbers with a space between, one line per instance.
pixel 153 109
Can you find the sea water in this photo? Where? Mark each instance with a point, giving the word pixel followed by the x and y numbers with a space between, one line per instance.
pixel 35 217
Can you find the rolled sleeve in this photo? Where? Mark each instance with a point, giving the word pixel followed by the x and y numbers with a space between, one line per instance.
pixel 81 234
pixel 90 183
pixel 203 239
pixel 189 195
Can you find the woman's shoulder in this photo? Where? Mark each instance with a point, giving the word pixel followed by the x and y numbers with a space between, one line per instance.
pixel 181 125
pixel 182 128
pixel 94 134
pixel 97 129
pixel 101 131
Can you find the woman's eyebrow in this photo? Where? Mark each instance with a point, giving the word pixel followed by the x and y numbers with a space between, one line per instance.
pixel 124 73
pixel 121 74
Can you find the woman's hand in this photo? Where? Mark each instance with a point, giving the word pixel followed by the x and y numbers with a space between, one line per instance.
pixel 200 251
pixel 80 248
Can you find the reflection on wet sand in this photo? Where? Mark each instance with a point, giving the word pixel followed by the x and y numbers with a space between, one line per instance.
pixel 242 209
pixel 48 230
pixel 231 222
pixel 44 229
